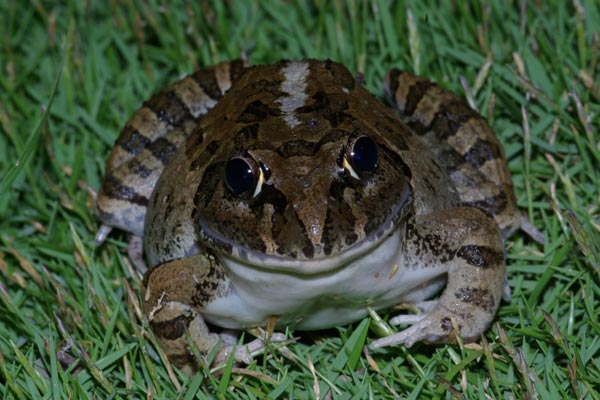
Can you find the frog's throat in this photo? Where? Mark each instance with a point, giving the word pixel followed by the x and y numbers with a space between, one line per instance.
pixel 229 250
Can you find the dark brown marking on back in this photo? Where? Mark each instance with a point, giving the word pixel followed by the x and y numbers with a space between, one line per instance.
pixel 297 148
pixel 257 111
pixel 196 138
pixel 300 147
pixel 342 75
pixel 247 134
pixel 395 159
pixel 269 86
pixel 320 101
pixel 212 147
pixel 334 112
pixel 204 156
pixel 330 108
pixel 388 127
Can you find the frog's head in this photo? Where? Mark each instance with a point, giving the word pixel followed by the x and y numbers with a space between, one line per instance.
pixel 308 174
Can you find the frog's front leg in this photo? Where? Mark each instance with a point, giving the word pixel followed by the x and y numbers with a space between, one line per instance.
pixel 467 243
pixel 175 294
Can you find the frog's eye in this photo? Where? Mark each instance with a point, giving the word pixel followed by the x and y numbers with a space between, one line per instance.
pixel 243 176
pixel 361 156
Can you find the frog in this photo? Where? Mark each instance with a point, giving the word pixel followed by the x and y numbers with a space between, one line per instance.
pixel 286 195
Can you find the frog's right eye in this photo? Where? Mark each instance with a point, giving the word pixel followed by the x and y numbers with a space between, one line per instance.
pixel 361 156
pixel 243 176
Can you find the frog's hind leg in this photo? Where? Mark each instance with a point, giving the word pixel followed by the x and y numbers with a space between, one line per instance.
pixel 126 190
pixel 462 140
pixel 177 106
pixel 150 139
pixel 176 292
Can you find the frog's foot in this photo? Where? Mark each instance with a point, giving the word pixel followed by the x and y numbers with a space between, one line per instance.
pixel 431 327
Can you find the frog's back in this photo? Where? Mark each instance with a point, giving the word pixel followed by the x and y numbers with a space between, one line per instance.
pixel 462 141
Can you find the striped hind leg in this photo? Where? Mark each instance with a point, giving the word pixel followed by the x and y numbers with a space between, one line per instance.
pixel 462 140
pixel 150 139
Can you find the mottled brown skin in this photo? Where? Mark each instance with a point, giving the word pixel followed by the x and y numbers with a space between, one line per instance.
pixel 319 240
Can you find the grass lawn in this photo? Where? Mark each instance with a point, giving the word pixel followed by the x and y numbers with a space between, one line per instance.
pixel 72 73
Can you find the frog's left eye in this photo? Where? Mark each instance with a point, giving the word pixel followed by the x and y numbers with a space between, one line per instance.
pixel 361 156
pixel 243 176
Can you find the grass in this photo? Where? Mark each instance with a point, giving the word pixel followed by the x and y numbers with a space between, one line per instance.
pixel 70 323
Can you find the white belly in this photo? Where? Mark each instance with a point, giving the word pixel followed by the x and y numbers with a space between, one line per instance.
pixel 377 279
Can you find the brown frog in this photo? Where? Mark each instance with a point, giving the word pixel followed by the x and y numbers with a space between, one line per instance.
pixel 288 193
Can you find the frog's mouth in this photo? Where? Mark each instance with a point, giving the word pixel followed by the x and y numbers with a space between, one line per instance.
pixel 231 250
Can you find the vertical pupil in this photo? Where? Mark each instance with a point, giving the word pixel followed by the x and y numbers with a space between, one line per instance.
pixel 239 176
pixel 364 154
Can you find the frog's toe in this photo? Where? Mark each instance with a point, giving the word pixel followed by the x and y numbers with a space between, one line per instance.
pixel 425 328
pixel 244 354
pixel 241 355
pixel 102 233
pixel 408 319
pixel 258 345
pixel 425 307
